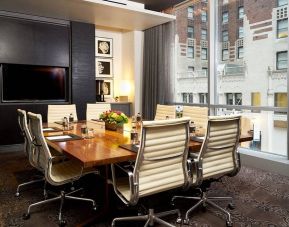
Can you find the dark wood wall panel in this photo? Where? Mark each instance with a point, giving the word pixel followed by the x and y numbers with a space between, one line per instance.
pixel 83 66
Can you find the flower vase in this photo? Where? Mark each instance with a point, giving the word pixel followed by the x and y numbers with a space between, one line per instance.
pixel 110 126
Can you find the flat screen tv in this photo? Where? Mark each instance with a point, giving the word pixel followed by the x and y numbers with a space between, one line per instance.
pixel 28 83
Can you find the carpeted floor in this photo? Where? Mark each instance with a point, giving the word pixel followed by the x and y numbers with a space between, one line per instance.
pixel 261 198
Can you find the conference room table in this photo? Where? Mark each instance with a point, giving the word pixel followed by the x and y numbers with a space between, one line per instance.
pixel 103 148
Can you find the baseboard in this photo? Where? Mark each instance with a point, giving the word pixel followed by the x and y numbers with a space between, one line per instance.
pixel 268 162
pixel 11 148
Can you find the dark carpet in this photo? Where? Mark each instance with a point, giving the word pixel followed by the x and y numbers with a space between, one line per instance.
pixel 261 198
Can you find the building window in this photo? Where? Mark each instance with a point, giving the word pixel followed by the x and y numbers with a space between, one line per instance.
pixel 280 99
pixel 203 97
pixel 234 98
pixel 282 59
pixel 282 28
pixel 190 32
pixel 256 99
pixel 241 12
pixel 225 55
pixel 225 17
pixel 282 2
pixel 225 2
pixel 204 71
pixel 191 68
pixel 190 12
pixel 240 52
pixel 187 97
pixel 190 53
pixel 204 34
pixel 225 36
pixel 204 16
pixel 241 32
pixel 204 54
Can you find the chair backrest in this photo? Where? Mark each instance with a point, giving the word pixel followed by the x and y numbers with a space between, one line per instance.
pixel 58 112
pixel 199 115
pixel 161 162
pixel 22 121
pixel 94 110
pixel 41 153
pixel 164 111
pixel 218 155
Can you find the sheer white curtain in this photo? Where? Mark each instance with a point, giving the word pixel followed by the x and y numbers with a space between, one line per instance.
pixel 158 67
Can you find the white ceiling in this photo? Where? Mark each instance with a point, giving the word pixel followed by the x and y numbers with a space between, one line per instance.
pixel 98 12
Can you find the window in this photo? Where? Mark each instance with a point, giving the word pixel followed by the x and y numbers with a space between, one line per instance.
pixel 234 98
pixel 190 32
pixel 204 16
pixel 203 97
pixel 256 99
pixel 225 17
pixel 241 12
pixel 225 2
pixel 282 58
pixel 282 2
pixel 241 32
pixel 204 34
pixel 191 68
pixel 190 53
pixel 225 55
pixel 187 97
pixel 204 54
pixel 190 12
pixel 204 71
pixel 240 52
pixel 282 28
pixel 280 99
pixel 225 36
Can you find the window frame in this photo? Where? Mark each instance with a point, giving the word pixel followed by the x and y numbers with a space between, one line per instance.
pixel 278 32
pixel 190 14
pixel 278 53
pixel 227 20
pixel 241 16
pixel 206 54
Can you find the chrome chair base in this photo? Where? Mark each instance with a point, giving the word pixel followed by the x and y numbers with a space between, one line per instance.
pixel 204 200
pixel 150 218
pixel 61 197
pixel 27 183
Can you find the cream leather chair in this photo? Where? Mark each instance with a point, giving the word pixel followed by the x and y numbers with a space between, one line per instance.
pixel 22 121
pixel 56 172
pixel 165 111
pixel 199 115
pixel 218 157
pixel 94 110
pixel 161 165
pixel 58 112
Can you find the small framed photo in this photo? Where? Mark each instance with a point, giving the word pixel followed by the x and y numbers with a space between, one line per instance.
pixel 103 47
pixel 103 67
pixel 107 88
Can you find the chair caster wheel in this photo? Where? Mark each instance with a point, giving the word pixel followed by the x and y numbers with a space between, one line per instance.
pixel 94 207
pixel 17 194
pixel 26 216
pixel 229 224
pixel 179 220
pixel 231 206
pixel 186 222
pixel 62 223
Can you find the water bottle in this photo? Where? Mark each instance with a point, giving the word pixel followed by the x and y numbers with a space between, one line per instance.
pixel 71 118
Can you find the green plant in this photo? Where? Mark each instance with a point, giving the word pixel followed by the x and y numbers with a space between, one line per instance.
pixel 114 117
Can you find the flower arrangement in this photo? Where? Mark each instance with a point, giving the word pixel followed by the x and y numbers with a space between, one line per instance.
pixel 114 117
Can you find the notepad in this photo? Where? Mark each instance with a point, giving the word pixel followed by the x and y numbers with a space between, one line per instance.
pixel 51 129
pixel 58 137
pixel 130 147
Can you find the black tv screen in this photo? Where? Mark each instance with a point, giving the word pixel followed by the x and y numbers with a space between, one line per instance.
pixel 27 83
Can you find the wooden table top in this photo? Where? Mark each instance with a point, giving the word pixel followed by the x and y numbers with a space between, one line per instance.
pixel 104 147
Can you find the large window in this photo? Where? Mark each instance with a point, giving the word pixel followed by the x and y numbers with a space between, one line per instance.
pixel 204 54
pixel 282 60
pixel 190 53
pixel 187 97
pixel 241 32
pixel 256 99
pixel 234 98
pixel 241 12
pixel 240 52
pixel 190 12
pixel 280 99
pixel 225 36
pixel 204 16
pixel 190 32
pixel 225 17
pixel 282 2
pixel 204 34
pixel 203 97
pixel 282 28
pixel 225 55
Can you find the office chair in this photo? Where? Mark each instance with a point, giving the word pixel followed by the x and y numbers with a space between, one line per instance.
pixel 161 165
pixel 94 110
pixel 198 115
pixel 58 112
pixel 218 157
pixel 56 173
pixel 164 112
pixel 22 121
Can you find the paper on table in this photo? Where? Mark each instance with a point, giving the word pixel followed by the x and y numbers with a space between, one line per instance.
pixel 58 137
pixel 48 129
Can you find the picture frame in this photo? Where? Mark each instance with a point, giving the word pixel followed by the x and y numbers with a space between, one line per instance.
pixel 103 67
pixel 107 88
pixel 103 47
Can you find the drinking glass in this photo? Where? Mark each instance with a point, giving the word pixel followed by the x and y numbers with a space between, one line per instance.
pixel 84 131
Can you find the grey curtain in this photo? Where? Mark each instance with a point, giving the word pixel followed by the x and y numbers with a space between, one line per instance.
pixel 158 68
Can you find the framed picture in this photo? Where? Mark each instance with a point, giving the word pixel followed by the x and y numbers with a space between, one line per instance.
pixel 103 67
pixel 103 47
pixel 107 88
